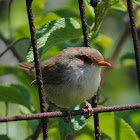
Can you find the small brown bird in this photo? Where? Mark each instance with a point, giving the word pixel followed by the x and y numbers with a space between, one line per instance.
pixel 72 76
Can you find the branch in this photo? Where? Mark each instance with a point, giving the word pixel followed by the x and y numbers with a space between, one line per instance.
pixel 37 66
pixel 96 119
pixel 73 113
pixel 84 23
pixel 12 45
pixel 135 38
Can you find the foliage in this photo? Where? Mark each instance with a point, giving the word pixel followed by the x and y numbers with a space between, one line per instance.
pixel 57 28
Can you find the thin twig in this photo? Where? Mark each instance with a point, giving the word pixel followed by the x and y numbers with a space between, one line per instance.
pixel 12 45
pixel 37 65
pixel 84 23
pixel 96 119
pixel 11 48
pixel 73 113
pixel 135 38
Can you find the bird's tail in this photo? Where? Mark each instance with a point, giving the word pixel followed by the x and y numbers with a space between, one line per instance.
pixel 27 66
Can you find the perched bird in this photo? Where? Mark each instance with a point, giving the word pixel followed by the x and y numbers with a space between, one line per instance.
pixel 72 76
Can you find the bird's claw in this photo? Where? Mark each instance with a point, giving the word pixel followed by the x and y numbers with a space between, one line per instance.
pixel 90 110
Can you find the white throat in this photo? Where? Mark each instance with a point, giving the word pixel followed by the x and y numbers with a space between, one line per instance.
pixel 90 80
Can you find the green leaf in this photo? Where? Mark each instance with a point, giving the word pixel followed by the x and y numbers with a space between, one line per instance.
pixel 76 123
pixel 102 41
pixel 55 32
pixel 9 93
pixel 137 1
pixel 41 20
pixel 24 93
pixel 138 18
pixel 25 81
pixel 4 137
pixel 83 137
pixel 101 9
pixel 32 123
pixel 53 130
pixel 119 6
pixel 132 117
pixel 114 127
pixel 128 59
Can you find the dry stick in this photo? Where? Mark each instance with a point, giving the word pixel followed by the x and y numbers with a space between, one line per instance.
pixel 87 44
pixel 135 38
pixel 73 113
pixel 37 65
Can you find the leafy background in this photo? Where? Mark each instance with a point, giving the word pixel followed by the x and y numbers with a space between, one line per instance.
pixel 58 26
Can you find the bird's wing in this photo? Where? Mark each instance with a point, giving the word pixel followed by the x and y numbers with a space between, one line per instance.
pixel 52 72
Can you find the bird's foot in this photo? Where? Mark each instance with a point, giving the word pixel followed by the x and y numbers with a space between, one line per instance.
pixel 90 110
pixel 68 118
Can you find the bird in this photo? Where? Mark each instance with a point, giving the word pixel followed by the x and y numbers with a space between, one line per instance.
pixel 71 77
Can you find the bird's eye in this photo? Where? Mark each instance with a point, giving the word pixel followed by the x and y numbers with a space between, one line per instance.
pixel 86 59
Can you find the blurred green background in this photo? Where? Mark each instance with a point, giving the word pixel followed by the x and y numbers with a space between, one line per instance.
pixel 107 23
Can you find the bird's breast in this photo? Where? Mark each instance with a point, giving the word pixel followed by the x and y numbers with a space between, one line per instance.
pixel 80 85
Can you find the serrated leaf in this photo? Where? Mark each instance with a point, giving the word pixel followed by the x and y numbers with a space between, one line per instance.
pixel 76 123
pixel 8 93
pixel 55 32
pixel 4 137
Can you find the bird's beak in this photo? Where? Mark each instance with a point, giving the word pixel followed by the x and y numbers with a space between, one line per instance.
pixel 103 63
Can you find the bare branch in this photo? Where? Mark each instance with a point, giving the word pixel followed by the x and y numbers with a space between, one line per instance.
pixel 73 113
pixel 135 38
pixel 96 119
pixel 84 23
pixel 12 45
pixel 37 66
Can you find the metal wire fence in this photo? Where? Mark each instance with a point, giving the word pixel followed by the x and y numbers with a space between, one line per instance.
pixel 45 115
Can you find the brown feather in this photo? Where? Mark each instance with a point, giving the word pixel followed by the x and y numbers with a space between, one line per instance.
pixel 27 66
